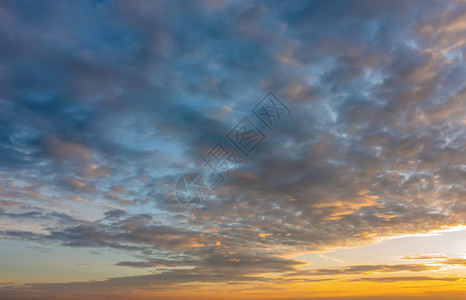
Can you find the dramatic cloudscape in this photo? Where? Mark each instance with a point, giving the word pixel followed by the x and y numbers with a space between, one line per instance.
pixel 217 149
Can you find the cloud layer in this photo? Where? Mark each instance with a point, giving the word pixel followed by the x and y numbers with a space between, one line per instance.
pixel 105 105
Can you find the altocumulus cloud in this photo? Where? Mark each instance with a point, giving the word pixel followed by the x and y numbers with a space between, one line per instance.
pixel 106 104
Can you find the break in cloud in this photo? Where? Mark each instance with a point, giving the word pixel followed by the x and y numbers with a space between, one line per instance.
pixel 104 105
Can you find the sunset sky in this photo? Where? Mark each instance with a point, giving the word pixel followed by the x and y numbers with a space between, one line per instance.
pixel 341 127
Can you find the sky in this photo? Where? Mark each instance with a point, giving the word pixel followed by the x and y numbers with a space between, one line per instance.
pixel 217 149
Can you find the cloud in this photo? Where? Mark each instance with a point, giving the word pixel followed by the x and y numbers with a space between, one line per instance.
pixel 364 269
pixel 412 278
pixel 445 259
pixel 106 105
pixel 424 257
pixel 454 261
